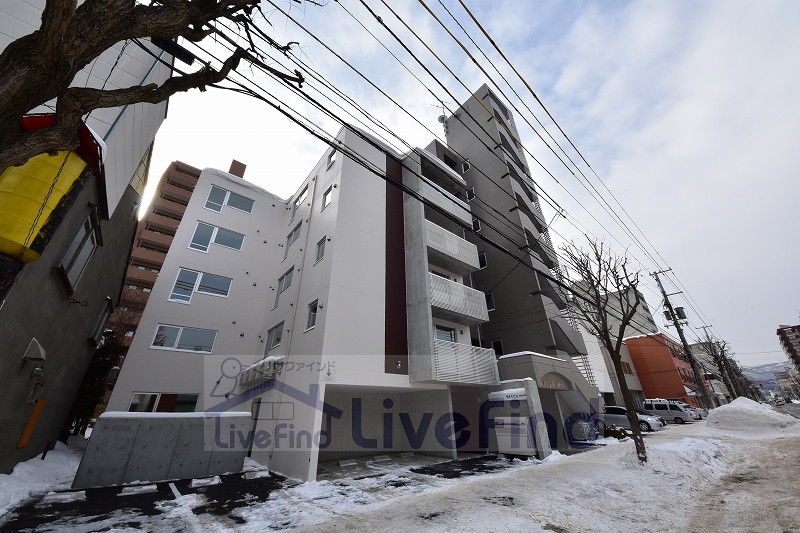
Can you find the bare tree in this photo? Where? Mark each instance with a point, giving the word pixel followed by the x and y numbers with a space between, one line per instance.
pixel 40 67
pixel 605 292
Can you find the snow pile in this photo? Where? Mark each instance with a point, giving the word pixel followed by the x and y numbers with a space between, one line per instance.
pixel 745 415
pixel 55 472
pixel 696 461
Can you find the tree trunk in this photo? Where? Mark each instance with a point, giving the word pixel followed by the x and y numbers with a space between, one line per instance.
pixel 633 418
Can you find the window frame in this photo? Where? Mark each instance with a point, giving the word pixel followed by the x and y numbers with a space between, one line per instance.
pixel 292 237
pixel 281 288
pixel 311 320
pixel 482 255
pixel 178 338
pixel 274 331
pixel 299 200
pixel 157 402
pixel 490 298
pixel 331 158
pixel 69 258
pixel 439 327
pixel 196 286
pixel 226 199
pixel 327 198
pixel 212 240
pixel 476 224
pixel 320 249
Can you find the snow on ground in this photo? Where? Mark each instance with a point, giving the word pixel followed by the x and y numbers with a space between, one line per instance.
pixel 603 490
pixel 744 415
pixel 35 475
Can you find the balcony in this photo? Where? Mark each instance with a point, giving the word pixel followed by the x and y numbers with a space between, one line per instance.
pixel 462 363
pixel 448 250
pixel 456 302
pixel 446 201
pixel 261 371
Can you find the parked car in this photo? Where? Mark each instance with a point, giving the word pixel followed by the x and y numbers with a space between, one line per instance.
pixel 618 416
pixel 671 411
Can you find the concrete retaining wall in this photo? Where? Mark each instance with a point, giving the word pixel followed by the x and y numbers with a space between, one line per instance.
pixel 128 447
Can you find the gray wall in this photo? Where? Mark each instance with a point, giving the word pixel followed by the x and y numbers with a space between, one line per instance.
pixel 39 305
pixel 126 448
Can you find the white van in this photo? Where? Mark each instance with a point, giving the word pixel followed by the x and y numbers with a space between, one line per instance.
pixel 670 411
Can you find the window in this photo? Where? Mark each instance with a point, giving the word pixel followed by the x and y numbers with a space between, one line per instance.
pixel 129 333
pixel 497 346
pixel 299 200
pixel 476 224
pixel 147 289
pixel 284 282
pixel 626 368
pixel 36 392
pixel 320 249
pixel 205 234
pixel 191 281
pixel 482 260
pixel 219 197
pixel 471 194
pixel 312 314
pixel 148 402
pixel 106 309
pixel 326 197
pixel 293 235
pixel 443 333
pixel 490 301
pixel 81 249
pixel 331 158
pixel 274 336
pixel 187 339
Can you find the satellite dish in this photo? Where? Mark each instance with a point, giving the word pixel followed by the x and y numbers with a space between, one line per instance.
pixel 441 118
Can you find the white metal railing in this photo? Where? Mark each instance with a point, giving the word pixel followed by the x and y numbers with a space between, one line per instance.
pixel 261 371
pixel 451 244
pixel 457 298
pixel 463 363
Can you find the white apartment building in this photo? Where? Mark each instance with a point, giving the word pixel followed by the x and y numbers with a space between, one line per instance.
pixel 341 317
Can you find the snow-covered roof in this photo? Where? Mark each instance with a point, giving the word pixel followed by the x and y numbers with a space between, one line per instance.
pixel 520 354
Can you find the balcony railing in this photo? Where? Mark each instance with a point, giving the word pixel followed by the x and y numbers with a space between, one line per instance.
pixel 450 250
pixel 462 363
pixel 457 302
pixel 261 371
pixel 446 201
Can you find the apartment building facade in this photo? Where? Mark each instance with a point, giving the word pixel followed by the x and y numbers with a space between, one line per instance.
pixel 663 368
pixel 789 338
pixel 52 316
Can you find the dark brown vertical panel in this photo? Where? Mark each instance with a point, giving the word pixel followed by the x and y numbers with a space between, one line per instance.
pixel 396 325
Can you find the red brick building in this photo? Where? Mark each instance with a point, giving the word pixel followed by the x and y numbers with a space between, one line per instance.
pixel 663 368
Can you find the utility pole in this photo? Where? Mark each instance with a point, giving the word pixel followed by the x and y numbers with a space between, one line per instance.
pixel 698 377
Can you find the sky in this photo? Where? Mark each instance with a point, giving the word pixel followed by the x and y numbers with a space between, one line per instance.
pixel 687 112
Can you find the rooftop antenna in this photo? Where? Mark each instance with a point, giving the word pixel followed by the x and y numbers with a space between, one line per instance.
pixel 443 117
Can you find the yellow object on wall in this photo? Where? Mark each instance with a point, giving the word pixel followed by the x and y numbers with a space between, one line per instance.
pixel 23 191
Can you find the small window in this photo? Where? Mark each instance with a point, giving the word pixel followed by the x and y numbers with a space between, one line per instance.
pixel 219 197
pixel 299 200
pixel 186 339
pixel 320 249
pixel 274 336
pixel 490 301
pixel 81 249
pixel 129 333
pixel 293 236
pixel 147 289
pixel 284 282
pixel 476 223
pixel 36 392
pixel 312 314
pixel 497 346
pixel 331 158
pixel 148 402
pixel 471 194
pixel 326 197
pixel 443 333
pixel 482 260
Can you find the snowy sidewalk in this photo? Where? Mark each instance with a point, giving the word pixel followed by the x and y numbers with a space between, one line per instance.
pixel 729 468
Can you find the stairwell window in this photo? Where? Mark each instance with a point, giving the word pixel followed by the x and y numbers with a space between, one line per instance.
pixel 327 196
pixel 482 260
pixel 284 282
pixel 191 281
pixel 320 250
pixel 293 235
pixel 80 250
pixel 184 339
pixel 490 301
pixel 299 200
pixel 274 336
pixel 206 234
pixel 219 197
pixel 312 314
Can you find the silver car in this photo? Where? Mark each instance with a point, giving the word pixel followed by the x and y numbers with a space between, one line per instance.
pixel 618 416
